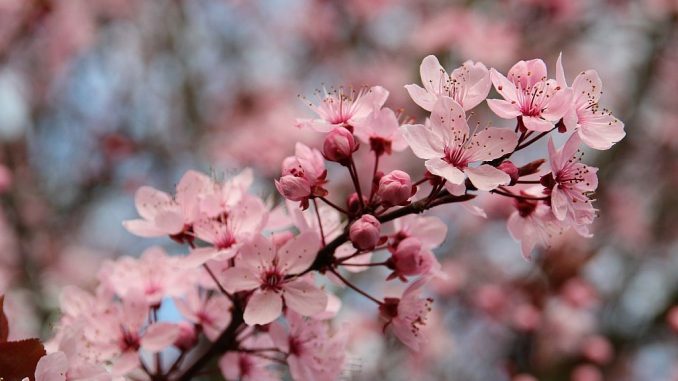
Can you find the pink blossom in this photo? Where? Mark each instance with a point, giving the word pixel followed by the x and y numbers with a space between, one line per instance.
pixel 228 232
pixel 339 145
pixel 448 147
pixel 597 128
pixel 532 223
pixel 119 332
pixel 314 354
pixel 395 188
pixel 303 175
pixel 211 313
pixel 381 130
pixel 163 214
pixel 468 84
pixel 153 276
pixel 540 102
pixel 220 198
pixel 365 232
pixel 339 109
pixel 269 272
pixel 406 316
pixel 570 183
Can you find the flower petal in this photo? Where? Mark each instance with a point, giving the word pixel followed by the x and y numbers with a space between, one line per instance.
pixel 240 278
pixel 304 297
pixel 159 336
pixel 263 307
pixel 421 97
pixel 297 254
pixel 440 167
pixel 487 177
pixel 504 109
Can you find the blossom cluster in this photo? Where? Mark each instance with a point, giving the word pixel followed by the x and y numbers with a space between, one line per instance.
pixel 257 287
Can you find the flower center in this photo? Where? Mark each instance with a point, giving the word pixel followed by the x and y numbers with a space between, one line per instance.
pixel 272 280
pixel 457 156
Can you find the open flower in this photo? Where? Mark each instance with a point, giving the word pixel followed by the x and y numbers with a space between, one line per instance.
pixel 570 183
pixel 313 354
pixel 344 109
pixel 596 127
pixel 163 214
pixel 540 102
pixel 211 313
pixel 381 130
pixel 406 316
pixel 468 84
pixel 228 233
pixel 532 223
pixel 449 148
pixel 270 273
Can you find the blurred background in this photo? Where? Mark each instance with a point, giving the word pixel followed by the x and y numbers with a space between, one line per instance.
pixel 98 97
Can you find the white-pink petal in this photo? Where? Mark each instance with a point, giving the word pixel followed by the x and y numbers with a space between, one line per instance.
pixel 440 167
pixel 487 177
pixel 159 336
pixel 263 307
pixel 297 254
pixel 504 109
pixel 421 97
pixel 240 279
pixel 304 297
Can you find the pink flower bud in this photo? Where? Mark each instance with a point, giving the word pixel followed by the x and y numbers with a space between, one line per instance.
pixel 293 188
pixel 339 145
pixel 395 188
pixel 410 259
pixel 510 169
pixel 365 232
pixel 187 337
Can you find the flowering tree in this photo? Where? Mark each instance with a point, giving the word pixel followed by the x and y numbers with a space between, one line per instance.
pixel 254 288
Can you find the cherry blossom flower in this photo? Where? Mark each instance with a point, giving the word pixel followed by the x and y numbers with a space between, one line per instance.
pixel 228 232
pixel 449 148
pixel 344 109
pixel 313 354
pixel 381 130
pixel 211 313
pixel 597 127
pixel 221 198
pixel 267 270
pixel 569 184
pixel 533 223
pixel 468 84
pixel 117 333
pixel 528 94
pixel 154 276
pixel 406 316
pixel 163 214
pixel 303 175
